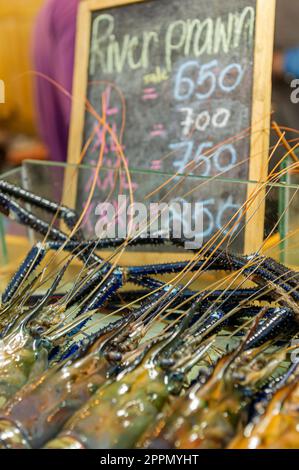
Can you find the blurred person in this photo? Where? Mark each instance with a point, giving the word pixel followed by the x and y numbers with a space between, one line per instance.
pixel 53 55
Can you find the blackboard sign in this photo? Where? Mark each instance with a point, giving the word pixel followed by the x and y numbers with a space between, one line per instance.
pixel 185 87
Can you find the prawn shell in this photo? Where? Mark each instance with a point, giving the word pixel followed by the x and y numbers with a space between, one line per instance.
pixel 205 418
pixel 11 437
pixel 42 407
pixel 66 442
pixel 19 366
pixel 118 414
pixel 277 427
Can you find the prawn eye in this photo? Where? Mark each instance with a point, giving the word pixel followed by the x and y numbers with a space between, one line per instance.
pixel 166 363
pixel 113 356
pixel 37 331
pixel 204 374
pixel 175 382
pixel 239 376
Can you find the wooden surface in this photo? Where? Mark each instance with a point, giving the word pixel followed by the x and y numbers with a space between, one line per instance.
pixel 261 107
pixel 101 4
pixel 18 248
pixel 79 102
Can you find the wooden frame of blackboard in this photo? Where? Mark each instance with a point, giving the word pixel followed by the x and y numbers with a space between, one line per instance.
pixel 260 120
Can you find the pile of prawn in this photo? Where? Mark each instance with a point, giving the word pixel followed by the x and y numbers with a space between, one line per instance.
pixel 161 366
pixel 122 358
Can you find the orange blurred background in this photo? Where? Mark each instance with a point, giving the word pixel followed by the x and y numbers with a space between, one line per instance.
pixel 18 129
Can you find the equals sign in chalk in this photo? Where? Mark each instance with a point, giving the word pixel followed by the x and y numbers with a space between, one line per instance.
pixel 158 130
pixel 149 94
pixel 156 165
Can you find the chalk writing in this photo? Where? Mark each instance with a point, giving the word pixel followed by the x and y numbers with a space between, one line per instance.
pixel 180 94
pixel 206 80
pixel 201 122
pixel 158 130
pixel 149 94
pixel 215 216
pixel 183 37
pixel 160 75
pixel 224 158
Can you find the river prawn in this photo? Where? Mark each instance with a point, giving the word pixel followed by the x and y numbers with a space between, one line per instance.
pixel 40 408
pixel 277 428
pixel 120 412
pixel 74 397
pixel 210 414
